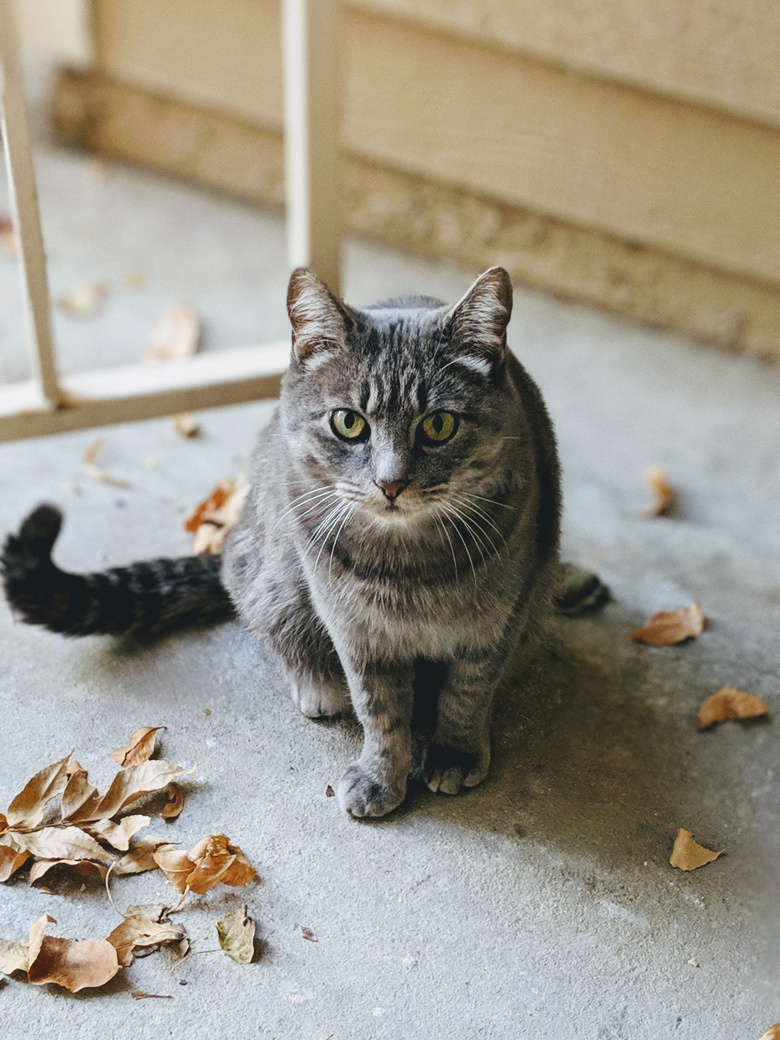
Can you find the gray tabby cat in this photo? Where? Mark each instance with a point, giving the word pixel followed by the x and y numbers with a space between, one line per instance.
pixel 399 539
pixel 404 508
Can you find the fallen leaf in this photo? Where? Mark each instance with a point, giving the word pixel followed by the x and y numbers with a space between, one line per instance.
pixel 83 298
pixel 12 857
pixel 214 519
pixel 688 854
pixel 140 858
pixel 82 866
pixel 140 747
pixel 729 703
pixel 212 861
pixel 118 834
pixel 134 280
pixel 73 964
pixel 13 957
pixel 175 802
pixel 671 626
pixel 138 932
pixel 664 497
pixel 236 933
pixel 773 1033
pixel 9 240
pixel 128 786
pixel 175 336
pixel 29 806
pixel 97 472
pixel 186 425
pixel 79 798
pixel 176 865
pixel 63 843
pixel 218 862
pixel 149 911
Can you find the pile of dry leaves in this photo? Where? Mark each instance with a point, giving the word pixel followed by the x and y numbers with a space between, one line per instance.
pixel 59 818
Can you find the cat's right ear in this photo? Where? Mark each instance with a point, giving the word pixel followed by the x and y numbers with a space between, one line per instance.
pixel 319 319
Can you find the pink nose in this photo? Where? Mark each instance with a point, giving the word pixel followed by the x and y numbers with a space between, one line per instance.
pixel 391 488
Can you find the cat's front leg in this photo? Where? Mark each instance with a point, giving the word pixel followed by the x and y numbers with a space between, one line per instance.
pixel 459 753
pixel 382 696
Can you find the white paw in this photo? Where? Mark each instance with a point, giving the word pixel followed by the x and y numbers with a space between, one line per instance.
pixel 318 700
pixel 361 794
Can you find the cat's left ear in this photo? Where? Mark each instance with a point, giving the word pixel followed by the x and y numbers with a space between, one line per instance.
pixel 478 321
pixel 319 319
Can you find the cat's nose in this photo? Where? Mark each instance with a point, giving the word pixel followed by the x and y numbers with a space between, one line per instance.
pixel 391 488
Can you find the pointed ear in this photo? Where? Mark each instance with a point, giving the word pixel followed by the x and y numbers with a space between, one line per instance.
pixel 478 322
pixel 319 319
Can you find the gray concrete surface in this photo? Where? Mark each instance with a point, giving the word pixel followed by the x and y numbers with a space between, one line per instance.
pixel 540 905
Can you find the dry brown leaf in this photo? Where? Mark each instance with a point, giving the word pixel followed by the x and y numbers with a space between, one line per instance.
pixel 154 912
pixel 140 858
pixel 89 462
pixel 29 806
pixel 12 857
pixel 186 425
pixel 117 834
pixel 664 496
pixel 82 866
pixel 83 298
pixel 773 1033
pixel 128 786
pixel 134 280
pixel 212 861
pixel 175 802
pixel 236 933
pixel 63 843
pixel 140 747
pixel 73 964
pixel 79 798
pixel 175 336
pixel 218 862
pixel 176 865
pixel 688 854
pixel 138 932
pixel 9 240
pixel 729 703
pixel 215 518
pixel 671 626
pixel 13 957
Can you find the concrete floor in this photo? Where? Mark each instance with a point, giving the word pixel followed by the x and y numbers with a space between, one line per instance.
pixel 540 905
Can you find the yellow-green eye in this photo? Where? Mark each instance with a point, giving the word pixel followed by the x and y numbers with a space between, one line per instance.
pixel 349 425
pixel 439 427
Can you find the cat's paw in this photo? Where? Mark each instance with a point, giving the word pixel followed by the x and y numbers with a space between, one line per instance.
pixel 361 794
pixel 447 770
pixel 320 698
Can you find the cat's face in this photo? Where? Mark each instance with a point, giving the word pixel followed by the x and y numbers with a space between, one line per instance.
pixel 395 413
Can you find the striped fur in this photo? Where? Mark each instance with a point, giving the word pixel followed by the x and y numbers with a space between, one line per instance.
pixel 144 599
pixel 360 597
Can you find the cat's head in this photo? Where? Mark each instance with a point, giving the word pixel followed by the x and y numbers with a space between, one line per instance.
pixel 398 409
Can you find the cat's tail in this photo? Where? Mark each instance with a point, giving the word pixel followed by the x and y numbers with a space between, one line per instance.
pixel 143 599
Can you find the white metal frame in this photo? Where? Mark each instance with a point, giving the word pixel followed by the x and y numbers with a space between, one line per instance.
pixel 51 402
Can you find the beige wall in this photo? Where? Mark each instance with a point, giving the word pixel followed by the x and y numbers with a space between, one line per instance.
pixel 645 124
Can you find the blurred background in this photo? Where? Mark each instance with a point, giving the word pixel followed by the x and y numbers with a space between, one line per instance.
pixel 624 153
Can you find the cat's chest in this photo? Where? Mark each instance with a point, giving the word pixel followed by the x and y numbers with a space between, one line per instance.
pixel 408 619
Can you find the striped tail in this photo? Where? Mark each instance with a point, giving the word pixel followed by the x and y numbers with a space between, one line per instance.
pixel 143 599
